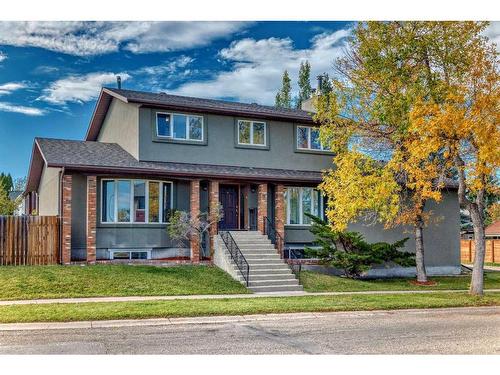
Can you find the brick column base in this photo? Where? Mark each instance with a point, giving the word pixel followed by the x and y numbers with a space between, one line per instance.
pixel 91 218
pixel 279 210
pixel 261 206
pixel 195 212
pixel 67 183
pixel 213 203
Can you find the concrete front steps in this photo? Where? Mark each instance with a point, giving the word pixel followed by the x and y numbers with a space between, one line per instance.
pixel 268 272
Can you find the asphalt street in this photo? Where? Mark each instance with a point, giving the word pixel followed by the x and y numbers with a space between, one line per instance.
pixel 444 331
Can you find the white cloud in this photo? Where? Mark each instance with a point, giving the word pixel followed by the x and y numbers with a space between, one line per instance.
pixel 3 56
pixel 493 33
pixel 79 88
pixel 30 111
pixel 259 64
pixel 94 38
pixel 168 67
pixel 7 88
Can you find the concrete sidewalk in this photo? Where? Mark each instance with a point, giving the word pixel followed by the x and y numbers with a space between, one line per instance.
pixel 221 296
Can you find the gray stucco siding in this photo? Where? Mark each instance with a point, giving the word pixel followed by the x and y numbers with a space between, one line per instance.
pixel 441 236
pixel 221 149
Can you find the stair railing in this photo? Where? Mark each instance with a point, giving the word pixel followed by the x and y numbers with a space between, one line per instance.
pixel 279 243
pixel 236 255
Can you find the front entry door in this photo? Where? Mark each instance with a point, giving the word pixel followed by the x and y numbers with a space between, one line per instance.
pixel 228 197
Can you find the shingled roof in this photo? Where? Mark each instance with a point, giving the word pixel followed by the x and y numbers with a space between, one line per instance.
pixel 191 104
pixel 99 157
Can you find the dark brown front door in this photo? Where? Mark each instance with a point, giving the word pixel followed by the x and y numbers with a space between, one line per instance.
pixel 228 196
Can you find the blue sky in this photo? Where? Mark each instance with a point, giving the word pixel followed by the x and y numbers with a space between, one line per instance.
pixel 51 72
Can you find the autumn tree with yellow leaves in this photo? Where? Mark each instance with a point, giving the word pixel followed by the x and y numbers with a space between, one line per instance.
pixel 384 168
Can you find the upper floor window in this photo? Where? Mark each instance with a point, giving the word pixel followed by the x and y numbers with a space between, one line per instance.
pixel 179 126
pixel 252 133
pixel 308 139
pixel 135 201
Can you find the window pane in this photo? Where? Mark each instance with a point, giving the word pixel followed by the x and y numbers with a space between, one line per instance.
pixel 259 129
pixel 244 132
pixel 121 255
pixel 315 143
pixel 315 208
pixel 195 128
pixel 306 205
pixel 166 208
pixel 123 201
pixel 294 205
pixel 140 201
pixel 138 255
pixel 108 201
pixel 180 126
pixel 302 135
pixel 154 202
pixel 163 125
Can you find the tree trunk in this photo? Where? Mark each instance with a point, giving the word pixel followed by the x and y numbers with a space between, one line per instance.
pixel 419 252
pixel 476 285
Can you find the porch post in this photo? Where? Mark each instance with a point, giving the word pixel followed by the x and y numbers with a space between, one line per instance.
pixel 279 210
pixel 91 218
pixel 195 212
pixel 261 206
pixel 67 183
pixel 213 204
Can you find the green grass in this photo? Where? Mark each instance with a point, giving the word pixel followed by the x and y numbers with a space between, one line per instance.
pixel 30 282
pixel 316 282
pixel 493 264
pixel 204 307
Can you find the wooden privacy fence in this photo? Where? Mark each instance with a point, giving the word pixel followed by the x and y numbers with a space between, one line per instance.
pixel 467 251
pixel 29 240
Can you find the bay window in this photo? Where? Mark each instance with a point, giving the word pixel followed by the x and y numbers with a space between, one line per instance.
pixel 302 200
pixel 179 126
pixel 135 201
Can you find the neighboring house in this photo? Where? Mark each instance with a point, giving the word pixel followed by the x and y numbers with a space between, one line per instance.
pixel 146 154
pixel 492 231
pixel 16 195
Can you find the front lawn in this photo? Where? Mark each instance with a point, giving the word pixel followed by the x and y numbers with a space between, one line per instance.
pixel 238 306
pixel 31 282
pixel 317 282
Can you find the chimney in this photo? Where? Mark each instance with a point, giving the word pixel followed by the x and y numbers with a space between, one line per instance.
pixel 320 82
pixel 119 82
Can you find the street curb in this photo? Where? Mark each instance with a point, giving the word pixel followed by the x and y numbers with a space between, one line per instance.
pixel 223 296
pixel 223 319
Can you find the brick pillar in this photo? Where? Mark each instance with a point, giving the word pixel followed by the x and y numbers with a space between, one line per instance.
pixel 213 203
pixel 195 212
pixel 279 210
pixel 91 218
pixel 261 206
pixel 66 218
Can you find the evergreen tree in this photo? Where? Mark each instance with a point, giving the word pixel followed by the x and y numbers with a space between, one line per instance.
pixel 326 84
pixel 305 89
pixel 284 96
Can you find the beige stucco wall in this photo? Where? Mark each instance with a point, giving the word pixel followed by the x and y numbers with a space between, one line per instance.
pixel 121 126
pixel 48 192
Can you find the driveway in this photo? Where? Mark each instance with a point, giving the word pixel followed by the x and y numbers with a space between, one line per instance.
pixel 444 331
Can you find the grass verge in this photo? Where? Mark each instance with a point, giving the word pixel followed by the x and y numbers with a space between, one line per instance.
pixel 30 282
pixel 317 282
pixel 191 308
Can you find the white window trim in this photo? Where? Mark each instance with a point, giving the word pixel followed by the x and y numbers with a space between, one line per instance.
pixel 171 114
pixel 301 213
pixel 129 251
pixel 251 133
pixel 309 132
pixel 146 218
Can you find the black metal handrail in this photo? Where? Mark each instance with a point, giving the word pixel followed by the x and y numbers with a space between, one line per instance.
pixel 236 254
pixel 278 241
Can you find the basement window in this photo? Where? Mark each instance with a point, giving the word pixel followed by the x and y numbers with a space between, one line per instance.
pixel 129 254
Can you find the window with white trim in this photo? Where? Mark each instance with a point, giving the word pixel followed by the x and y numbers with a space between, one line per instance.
pixel 252 133
pixel 135 201
pixel 302 200
pixel 179 126
pixel 308 139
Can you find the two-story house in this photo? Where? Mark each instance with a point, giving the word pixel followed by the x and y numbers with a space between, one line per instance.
pixel 146 154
